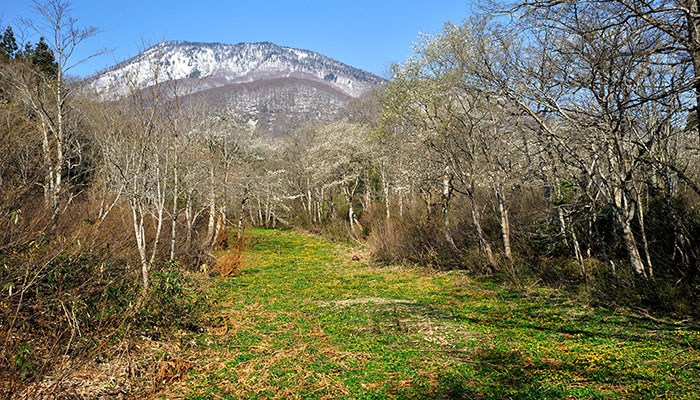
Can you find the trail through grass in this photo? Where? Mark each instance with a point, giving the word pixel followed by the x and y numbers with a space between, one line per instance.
pixel 302 320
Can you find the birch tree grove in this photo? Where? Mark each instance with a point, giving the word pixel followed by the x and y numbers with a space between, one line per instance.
pixel 473 148
pixel 608 104
pixel 571 95
pixel 543 138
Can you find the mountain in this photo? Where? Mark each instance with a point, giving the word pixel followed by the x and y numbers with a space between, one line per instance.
pixel 278 87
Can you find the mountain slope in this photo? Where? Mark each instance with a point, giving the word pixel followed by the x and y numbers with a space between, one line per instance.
pixel 220 64
pixel 279 87
pixel 281 104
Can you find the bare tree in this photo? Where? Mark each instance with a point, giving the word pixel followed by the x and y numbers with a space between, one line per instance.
pixel 342 160
pixel 674 23
pixel 228 143
pixel 588 81
pixel 49 96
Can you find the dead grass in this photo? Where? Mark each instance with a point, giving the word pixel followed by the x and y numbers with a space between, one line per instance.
pixel 364 300
pixel 170 371
pixel 127 371
pixel 227 264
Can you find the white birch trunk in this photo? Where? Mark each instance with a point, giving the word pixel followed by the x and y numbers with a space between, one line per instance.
pixel 483 240
pixel 577 250
pixel 212 208
pixel 260 213
pixel 624 212
pixel 368 192
pixel 446 195
pixel 562 226
pixel 221 222
pixel 505 226
pixel 139 235
pixel 633 252
pixel 175 212
pixel 351 215
pixel 189 219
pixel 640 217
pixel 385 190
pixel 160 211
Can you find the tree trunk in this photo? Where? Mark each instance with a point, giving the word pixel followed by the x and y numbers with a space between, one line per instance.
pixel 624 213
pixel 139 235
pixel 631 244
pixel 351 214
pixel 48 164
pixel 60 140
pixel 156 239
pixel 368 191
pixel 309 200
pixel 175 212
pixel 505 225
pixel 189 218
pixel 483 241
pixel 577 250
pixel 321 205
pixel 161 208
pixel 640 217
pixel 239 231
pixel 428 200
pixel 694 49
pixel 385 190
pixel 446 196
pixel 260 214
pixel 562 226
pixel 589 250
pixel 212 208
pixel 220 224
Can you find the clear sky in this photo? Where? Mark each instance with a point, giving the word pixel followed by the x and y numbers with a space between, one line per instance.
pixel 362 33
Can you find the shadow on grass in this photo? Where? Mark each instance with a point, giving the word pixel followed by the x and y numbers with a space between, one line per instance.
pixel 538 315
pixel 499 369
pixel 492 373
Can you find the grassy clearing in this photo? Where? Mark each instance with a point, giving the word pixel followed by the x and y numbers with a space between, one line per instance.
pixel 302 320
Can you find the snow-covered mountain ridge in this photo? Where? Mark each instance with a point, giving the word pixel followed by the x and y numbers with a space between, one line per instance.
pixel 215 65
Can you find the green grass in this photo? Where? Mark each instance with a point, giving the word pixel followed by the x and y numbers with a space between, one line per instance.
pixel 302 320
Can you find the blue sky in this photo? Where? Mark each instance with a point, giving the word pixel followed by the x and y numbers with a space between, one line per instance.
pixel 366 34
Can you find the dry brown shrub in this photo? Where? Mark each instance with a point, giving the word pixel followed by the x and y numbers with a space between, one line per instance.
pixel 171 371
pixel 222 240
pixel 228 264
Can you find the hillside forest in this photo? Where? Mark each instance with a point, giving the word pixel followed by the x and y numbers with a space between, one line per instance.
pixel 536 144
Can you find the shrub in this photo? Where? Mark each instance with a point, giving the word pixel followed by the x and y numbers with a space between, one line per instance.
pixel 174 301
pixel 69 291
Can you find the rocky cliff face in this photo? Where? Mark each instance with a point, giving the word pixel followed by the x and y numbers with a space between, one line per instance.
pixel 279 87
